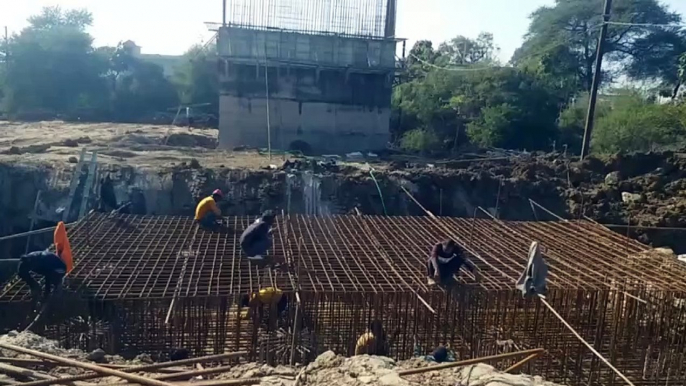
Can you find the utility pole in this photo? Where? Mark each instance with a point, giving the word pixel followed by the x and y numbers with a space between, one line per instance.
pixel 223 13
pixel 7 50
pixel 588 129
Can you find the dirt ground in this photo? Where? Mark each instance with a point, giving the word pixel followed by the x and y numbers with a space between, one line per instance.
pixel 146 146
pixel 644 189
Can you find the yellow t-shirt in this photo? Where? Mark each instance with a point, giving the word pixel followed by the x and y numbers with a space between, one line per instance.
pixel 366 344
pixel 269 295
pixel 205 206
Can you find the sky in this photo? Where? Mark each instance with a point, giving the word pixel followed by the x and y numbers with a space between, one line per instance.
pixel 171 26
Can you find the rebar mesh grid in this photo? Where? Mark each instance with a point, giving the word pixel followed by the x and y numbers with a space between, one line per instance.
pixel 145 257
pixel 349 270
pixel 364 18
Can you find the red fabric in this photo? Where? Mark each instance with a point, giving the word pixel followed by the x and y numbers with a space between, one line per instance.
pixel 62 246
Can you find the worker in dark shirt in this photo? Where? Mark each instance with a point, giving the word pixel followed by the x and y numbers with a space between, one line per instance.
pixel 256 239
pixel 46 264
pixel 446 260
pixel 108 200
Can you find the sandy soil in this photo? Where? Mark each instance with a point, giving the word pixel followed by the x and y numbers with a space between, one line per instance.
pixel 146 146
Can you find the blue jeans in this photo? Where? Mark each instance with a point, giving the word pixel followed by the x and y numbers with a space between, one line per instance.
pixel 258 247
pixel 209 221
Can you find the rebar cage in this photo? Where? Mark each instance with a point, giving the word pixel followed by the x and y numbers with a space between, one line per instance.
pixel 152 283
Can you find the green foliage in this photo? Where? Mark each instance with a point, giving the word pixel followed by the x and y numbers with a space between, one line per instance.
pixel 637 124
pixel 196 79
pixel 54 70
pixel 565 35
pixel 504 107
pixel 53 66
pixel 572 121
pixel 420 140
pixel 461 51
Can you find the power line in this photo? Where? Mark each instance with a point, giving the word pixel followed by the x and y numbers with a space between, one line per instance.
pixel 644 24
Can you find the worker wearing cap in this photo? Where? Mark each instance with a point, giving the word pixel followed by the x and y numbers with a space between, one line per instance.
pixel 207 212
pixel 256 239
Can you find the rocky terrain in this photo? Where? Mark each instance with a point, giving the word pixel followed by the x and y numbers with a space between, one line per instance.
pixel 328 369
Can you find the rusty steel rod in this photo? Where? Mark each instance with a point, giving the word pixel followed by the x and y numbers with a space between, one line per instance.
pixel 88 366
pixel 472 361
pixel 521 363
pixel 593 350
pixel 147 368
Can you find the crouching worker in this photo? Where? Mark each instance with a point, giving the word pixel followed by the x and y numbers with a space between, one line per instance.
pixel 46 264
pixel 207 213
pixel 267 297
pixel 256 239
pixel 373 342
pixel 52 266
pixel 445 261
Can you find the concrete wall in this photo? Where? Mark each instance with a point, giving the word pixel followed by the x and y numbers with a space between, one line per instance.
pixel 331 92
pixel 322 50
pixel 326 127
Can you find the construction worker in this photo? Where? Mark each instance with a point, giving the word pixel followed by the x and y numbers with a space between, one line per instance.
pixel 270 297
pixel 256 239
pixel 207 213
pixel 373 342
pixel 46 264
pixel 52 266
pixel 108 200
pixel 445 261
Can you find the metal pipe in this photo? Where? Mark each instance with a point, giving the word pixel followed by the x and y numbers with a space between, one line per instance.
pixel 146 368
pixel 472 361
pixel 521 363
pixel 36 232
pixel 88 366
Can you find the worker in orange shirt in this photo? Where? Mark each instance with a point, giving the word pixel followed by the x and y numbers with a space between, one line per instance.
pixel 207 213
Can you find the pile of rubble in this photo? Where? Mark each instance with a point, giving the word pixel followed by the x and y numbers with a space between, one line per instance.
pixel 328 369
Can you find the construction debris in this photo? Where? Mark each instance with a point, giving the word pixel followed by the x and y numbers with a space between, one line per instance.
pixel 328 369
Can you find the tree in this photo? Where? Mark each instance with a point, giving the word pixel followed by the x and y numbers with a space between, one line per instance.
pixel 138 87
pixel 634 123
pixel 503 107
pixel 196 79
pixel 53 66
pixel 569 30
pixel 462 51
pixel 421 57
pixel 572 120
pixel 420 140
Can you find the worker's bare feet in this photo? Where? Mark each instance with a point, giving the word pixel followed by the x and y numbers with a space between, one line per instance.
pixel 431 282
pixel 256 258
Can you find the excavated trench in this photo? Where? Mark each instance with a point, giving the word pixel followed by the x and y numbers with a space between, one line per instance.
pixel 313 190
pixel 501 187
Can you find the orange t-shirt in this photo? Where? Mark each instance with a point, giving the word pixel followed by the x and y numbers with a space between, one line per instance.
pixel 62 246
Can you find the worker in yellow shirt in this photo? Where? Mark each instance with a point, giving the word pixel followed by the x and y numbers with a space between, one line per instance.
pixel 269 296
pixel 207 213
pixel 373 342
